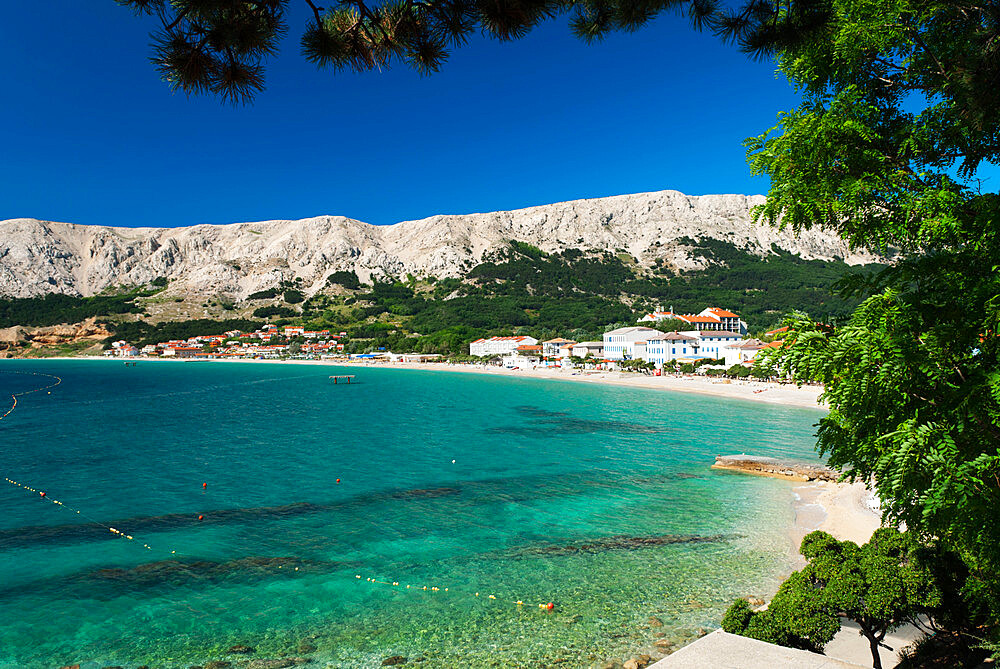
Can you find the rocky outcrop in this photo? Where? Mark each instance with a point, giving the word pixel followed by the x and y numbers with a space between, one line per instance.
pixel 786 469
pixel 40 257
pixel 53 335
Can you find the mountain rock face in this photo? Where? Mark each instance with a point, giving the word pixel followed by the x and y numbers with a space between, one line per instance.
pixel 40 257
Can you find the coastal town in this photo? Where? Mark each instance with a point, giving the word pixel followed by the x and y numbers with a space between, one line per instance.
pixel 714 338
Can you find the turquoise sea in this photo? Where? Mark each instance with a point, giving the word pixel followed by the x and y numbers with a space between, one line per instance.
pixel 597 499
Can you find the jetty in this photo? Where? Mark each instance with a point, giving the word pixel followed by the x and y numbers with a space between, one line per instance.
pixel 785 469
pixel 346 378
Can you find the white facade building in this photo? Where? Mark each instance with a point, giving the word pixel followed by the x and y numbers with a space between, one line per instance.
pixel 712 318
pixel 594 349
pixel 742 352
pixel 499 345
pixel 712 343
pixel 620 344
pixel 550 348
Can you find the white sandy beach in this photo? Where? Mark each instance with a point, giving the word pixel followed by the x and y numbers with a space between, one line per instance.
pixel 844 510
pixel 756 391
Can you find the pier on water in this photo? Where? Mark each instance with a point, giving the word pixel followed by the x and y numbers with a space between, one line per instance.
pixel 347 378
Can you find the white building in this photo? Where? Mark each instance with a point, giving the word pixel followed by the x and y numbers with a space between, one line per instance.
pixel 550 348
pixel 499 345
pixel 620 344
pixel 712 318
pixel 594 349
pixel 687 345
pixel 742 352
pixel 524 357
pixel 712 343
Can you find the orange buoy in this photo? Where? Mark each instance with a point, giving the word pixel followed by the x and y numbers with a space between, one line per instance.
pixel 338 480
pixel 204 485
pixel 550 606
pixel 42 494
pixel 201 517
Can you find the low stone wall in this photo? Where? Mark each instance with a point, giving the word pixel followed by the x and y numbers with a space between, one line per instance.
pixel 785 469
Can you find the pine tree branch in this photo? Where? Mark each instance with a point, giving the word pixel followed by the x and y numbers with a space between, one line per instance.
pixel 315 10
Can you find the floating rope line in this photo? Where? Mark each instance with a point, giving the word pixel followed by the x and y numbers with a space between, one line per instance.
pixel 14 396
pixel 423 588
pixel 41 493
pixel 549 606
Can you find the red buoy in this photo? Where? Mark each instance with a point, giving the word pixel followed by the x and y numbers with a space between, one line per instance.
pixel 338 480
pixel 201 517
pixel 204 485
pixel 42 494
pixel 550 606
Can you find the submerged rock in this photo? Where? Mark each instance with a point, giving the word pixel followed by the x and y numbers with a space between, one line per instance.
pixel 218 664
pixel 622 542
pixel 393 661
pixel 655 622
pixel 282 663
pixel 637 662
pixel 240 650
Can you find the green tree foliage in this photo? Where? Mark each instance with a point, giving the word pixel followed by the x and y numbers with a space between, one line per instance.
pixel 272 312
pixel 760 289
pixel 348 280
pixel 882 585
pixel 293 296
pixel 55 308
pixel 899 109
pixel 219 46
pixel 263 294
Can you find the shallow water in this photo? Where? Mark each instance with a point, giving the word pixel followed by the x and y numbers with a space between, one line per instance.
pixel 597 499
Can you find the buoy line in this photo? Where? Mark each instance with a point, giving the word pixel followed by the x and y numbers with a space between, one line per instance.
pixel 14 396
pixel 549 606
pixel 42 494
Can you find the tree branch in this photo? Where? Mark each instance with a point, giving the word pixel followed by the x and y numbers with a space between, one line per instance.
pixel 315 10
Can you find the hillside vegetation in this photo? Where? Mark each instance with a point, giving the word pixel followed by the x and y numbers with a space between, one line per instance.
pixel 575 293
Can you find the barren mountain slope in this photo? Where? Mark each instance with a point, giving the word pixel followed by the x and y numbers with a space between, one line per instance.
pixel 39 257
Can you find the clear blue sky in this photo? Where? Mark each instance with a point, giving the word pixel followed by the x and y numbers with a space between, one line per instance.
pixel 91 135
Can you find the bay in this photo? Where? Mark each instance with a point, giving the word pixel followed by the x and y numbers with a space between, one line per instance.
pixel 598 499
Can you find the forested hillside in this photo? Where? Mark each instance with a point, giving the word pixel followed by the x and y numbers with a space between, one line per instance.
pixel 576 294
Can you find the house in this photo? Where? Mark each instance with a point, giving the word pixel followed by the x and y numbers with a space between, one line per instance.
pixel 499 345
pixel 523 357
pixel 181 351
pixel 742 352
pixel 594 349
pixel 294 331
pixel 565 351
pixel 550 348
pixel 621 344
pixel 712 318
pixel 712 342
pixel 677 345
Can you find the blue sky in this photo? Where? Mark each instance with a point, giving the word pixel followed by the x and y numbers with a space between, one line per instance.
pixel 91 135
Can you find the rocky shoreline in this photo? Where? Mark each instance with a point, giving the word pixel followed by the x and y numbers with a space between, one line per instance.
pixel 784 469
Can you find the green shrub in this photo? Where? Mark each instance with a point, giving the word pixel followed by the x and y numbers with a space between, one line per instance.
pixel 348 280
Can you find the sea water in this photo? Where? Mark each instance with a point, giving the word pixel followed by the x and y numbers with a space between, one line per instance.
pixel 598 499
